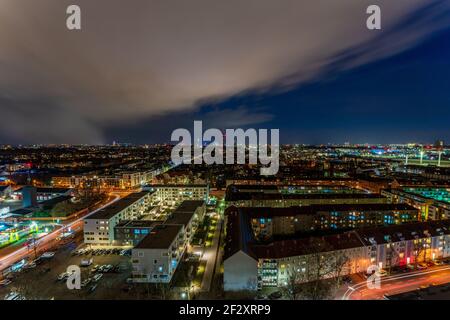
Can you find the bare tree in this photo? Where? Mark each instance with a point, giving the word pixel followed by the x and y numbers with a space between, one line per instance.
pixel 319 274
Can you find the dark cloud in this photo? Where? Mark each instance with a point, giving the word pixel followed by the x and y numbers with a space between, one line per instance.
pixel 146 59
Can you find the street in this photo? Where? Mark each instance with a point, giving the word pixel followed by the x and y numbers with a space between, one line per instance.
pixel 211 256
pixel 398 283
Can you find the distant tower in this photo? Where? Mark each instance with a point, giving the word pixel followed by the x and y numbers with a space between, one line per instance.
pixel 29 197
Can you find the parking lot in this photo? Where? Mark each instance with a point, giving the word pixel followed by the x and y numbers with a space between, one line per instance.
pixel 45 279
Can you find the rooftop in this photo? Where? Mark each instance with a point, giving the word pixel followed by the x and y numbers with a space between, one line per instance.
pixel 161 237
pixel 239 236
pixel 184 213
pixel 268 212
pixel 116 207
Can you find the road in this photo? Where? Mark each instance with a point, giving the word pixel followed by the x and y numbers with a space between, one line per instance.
pixel 211 256
pixel 48 241
pixel 398 283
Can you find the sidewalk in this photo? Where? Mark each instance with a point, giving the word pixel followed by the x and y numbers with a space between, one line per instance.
pixel 210 255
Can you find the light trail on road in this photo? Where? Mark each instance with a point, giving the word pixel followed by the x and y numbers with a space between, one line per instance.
pixel 415 280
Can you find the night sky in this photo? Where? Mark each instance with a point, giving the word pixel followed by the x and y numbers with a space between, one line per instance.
pixel 309 68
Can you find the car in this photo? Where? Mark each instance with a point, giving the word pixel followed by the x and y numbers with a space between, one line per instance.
pixel 261 297
pixel 275 295
pixel 63 276
pixel 438 263
pixel 108 268
pixel 47 255
pixel 5 283
pixel 97 277
pixel 86 262
pixel 382 272
pixel 95 268
pixel 13 296
pixel 422 266
pixel 123 252
pixel 92 288
pixel 86 282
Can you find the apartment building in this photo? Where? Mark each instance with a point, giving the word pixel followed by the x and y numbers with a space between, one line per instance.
pixel 131 232
pixel 176 193
pixel 157 256
pixel 278 196
pixel 120 181
pixel 99 227
pixel 433 202
pixel 250 264
pixel 269 222
pixel 189 214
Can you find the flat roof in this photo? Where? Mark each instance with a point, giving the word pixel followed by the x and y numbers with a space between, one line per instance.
pixel 240 237
pixel 160 237
pixel 268 212
pixel 116 207
pixel 184 213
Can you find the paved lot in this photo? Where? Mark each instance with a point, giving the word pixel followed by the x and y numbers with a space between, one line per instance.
pixel 41 282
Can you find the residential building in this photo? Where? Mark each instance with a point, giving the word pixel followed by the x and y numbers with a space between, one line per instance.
pixel 99 227
pixel 157 256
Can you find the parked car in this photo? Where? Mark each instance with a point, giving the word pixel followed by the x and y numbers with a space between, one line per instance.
pixel 382 272
pixel 47 255
pixel 97 277
pixel 86 262
pixel 95 268
pixel 92 288
pixel 422 266
pixel 63 276
pixel 5 282
pixel 438 263
pixel 109 268
pixel 86 282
